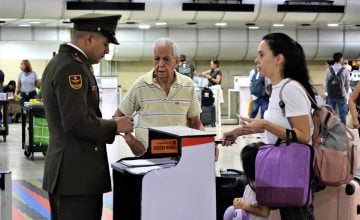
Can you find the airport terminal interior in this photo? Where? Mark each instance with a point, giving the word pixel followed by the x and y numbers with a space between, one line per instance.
pixel 226 30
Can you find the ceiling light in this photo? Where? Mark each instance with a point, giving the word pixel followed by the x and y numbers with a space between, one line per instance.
pixel 24 25
pixel 34 22
pixel 253 27
pixel 221 24
pixel 160 23
pixel 144 26
pixel 332 25
pixel 278 25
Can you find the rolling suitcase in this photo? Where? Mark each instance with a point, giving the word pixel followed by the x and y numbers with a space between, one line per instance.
pixel 5 195
pixel 207 116
pixel 338 203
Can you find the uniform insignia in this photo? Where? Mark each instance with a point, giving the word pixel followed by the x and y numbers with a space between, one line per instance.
pixel 77 58
pixel 75 81
pixel 94 88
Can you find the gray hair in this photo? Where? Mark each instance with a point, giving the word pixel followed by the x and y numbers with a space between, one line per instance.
pixel 167 42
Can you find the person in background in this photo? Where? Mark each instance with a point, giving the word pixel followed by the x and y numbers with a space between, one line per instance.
pixel 337 84
pixel 260 90
pixel 282 59
pixel 10 87
pixel 185 68
pixel 76 172
pixel 248 202
pixel 161 97
pixel 347 65
pixel 214 76
pixel 2 78
pixel 27 82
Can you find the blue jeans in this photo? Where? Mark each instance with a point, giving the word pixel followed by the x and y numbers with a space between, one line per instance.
pixel 261 102
pixel 342 106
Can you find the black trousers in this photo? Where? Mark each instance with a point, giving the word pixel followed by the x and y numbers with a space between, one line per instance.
pixel 76 207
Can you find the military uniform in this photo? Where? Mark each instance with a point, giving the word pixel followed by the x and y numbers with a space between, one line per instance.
pixel 76 163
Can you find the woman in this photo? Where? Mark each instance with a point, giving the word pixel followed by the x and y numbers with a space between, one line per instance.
pixel 214 78
pixel 214 74
pixel 27 83
pixel 280 58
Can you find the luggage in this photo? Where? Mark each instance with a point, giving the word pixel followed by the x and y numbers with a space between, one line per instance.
pixel 338 203
pixel 283 173
pixel 229 185
pixel 208 115
pixel 336 154
pixel 5 195
pixel 207 97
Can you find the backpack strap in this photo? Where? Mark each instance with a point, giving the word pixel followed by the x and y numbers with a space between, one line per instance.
pixel 281 102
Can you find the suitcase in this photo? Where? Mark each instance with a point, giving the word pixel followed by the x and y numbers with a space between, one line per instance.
pixel 5 195
pixel 338 203
pixel 229 185
pixel 207 116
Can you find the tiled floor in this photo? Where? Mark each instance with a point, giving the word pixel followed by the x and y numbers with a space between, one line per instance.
pixel 30 201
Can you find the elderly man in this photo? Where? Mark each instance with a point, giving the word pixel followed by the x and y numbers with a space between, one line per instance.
pixel 161 97
pixel 76 170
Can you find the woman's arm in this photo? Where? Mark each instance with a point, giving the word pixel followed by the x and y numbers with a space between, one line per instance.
pixel 300 125
pixel 352 105
pixel 37 83
pixel 18 87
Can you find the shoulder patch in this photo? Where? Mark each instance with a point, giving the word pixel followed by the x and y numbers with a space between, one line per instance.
pixel 75 81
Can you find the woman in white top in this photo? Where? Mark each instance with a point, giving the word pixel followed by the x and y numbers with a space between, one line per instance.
pixel 27 82
pixel 280 58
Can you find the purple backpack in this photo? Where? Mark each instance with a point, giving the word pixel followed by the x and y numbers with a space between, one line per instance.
pixel 283 173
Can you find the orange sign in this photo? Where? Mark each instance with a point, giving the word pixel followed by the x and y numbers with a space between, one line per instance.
pixel 164 146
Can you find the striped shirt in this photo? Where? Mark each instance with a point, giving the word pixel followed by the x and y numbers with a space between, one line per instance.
pixel 155 108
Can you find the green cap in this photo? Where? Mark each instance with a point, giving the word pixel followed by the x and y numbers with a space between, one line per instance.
pixel 104 24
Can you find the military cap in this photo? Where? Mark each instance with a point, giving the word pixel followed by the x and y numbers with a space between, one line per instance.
pixel 104 24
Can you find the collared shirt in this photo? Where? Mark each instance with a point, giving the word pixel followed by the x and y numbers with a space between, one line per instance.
pixel 155 108
pixel 76 47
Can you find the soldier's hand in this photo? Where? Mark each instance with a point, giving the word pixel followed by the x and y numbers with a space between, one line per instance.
pixel 124 124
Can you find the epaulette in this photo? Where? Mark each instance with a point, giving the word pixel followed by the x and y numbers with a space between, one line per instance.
pixel 77 58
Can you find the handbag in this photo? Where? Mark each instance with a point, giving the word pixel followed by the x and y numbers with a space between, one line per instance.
pixel 283 173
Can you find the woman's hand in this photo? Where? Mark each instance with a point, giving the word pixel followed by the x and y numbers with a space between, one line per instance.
pixel 252 125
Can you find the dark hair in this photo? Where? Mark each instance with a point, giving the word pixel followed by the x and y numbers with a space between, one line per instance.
pixel 295 66
pixel 27 64
pixel 337 57
pixel 182 57
pixel 248 156
pixel 12 82
pixel 216 62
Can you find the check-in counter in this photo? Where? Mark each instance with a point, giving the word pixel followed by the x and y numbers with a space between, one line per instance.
pixel 175 179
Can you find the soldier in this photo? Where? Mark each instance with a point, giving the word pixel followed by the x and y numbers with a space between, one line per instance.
pixel 76 170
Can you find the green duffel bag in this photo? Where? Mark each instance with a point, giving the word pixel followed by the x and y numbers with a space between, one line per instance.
pixel 41 131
